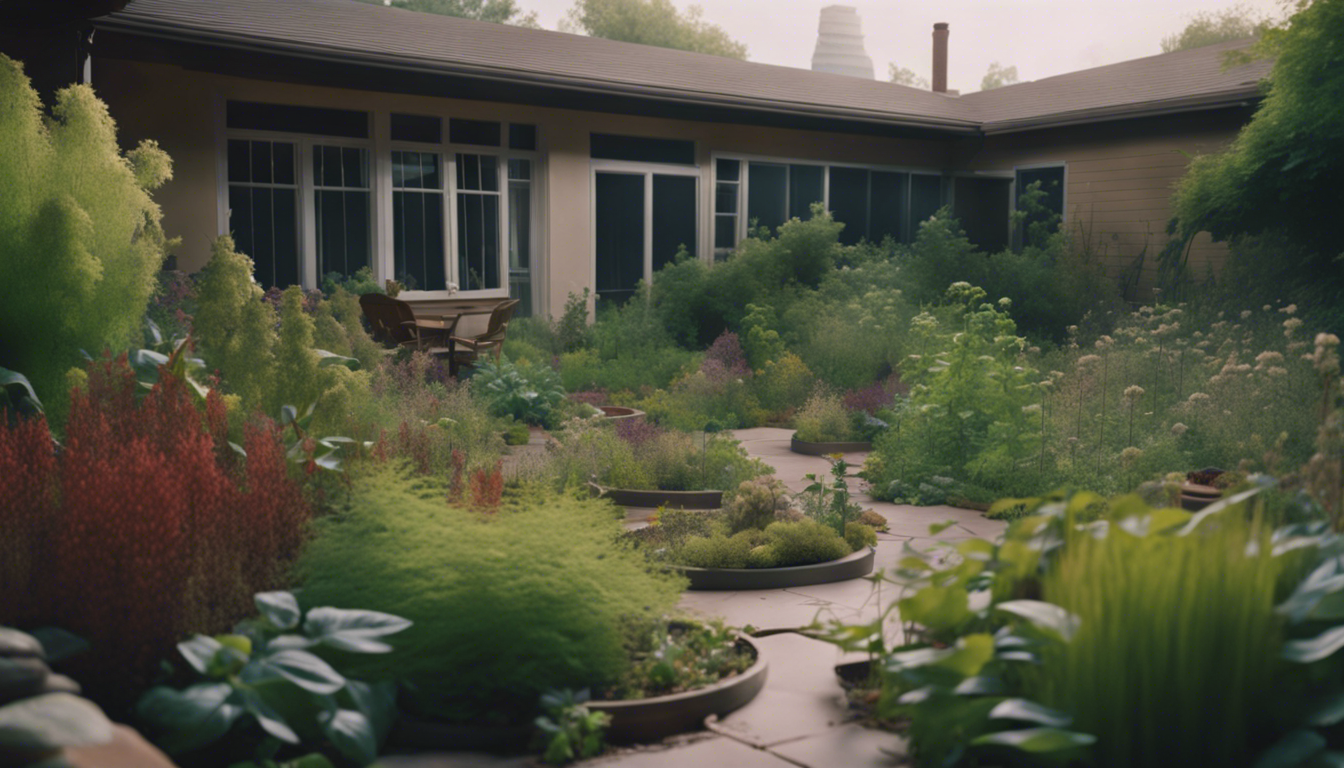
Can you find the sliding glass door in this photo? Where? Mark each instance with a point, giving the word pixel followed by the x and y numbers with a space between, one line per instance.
pixel 642 218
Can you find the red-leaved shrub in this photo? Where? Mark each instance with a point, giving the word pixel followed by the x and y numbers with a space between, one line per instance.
pixel 27 503
pixel 150 534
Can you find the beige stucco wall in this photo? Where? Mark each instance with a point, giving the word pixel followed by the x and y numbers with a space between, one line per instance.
pixel 183 111
pixel 1118 181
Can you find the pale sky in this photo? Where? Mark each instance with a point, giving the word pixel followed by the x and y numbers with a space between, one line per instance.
pixel 1040 37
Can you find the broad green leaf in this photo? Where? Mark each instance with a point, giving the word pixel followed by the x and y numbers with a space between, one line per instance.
pixel 937 607
pixel 938 528
pixel 304 670
pixel 1292 750
pixel 351 733
pixel 281 608
pixel 199 652
pixel 1031 712
pixel 194 717
pixel 377 701
pixel 1327 710
pixel 969 655
pixel 980 685
pixel 1218 507
pixel 353 630
pixel 326 358
pixel 1037 740
pixel 270 720
pixel 17 381
pixel 1045 616
pixel 1315 649
pixel 1005 504
pixel 288 414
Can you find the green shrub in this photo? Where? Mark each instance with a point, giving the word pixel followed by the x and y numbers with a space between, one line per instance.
pixel 715 551
pixel 804 542
pixel 754 503
pixel 824 419
pixel 504 608
pixel 79 233
pixel 529 394
pixel 358 284
pixel 571 332
pixel 858 536
pixel 234 328
pixel 783 385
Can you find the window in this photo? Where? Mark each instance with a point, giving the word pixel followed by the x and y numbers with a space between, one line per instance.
pixel 417 222
pixel 263 207
pixel 477 222
pixel 872 203
pixel 520 234
pixel 1039 223
pixel 425 129
pixel 254 116
pixel 642 150
pixel 642 217
pixel 341 209
pixel 981 205
pixel 478 132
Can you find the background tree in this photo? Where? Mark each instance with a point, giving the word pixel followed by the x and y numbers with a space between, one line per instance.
pixel 652 22
pixel 1282 179
pixel 998 76
pixel 498 11
pixel 1210 28
pixel 903 76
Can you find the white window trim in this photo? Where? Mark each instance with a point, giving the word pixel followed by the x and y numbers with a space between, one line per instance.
pixel 647 171
pixel 744 185
pixel 380 147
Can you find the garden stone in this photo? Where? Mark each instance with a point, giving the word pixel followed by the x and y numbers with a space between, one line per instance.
pixel 34 727
pixel 21 677
pixel 61 684
pixel 16 643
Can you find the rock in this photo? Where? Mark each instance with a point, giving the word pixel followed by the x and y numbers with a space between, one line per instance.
pixel 35 727
pixel 126 750
pixel 21 677
pixel 16 643
pixel 60 684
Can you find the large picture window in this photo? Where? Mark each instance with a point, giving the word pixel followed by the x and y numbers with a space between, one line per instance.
pixel 341 209
pixel 263 208
pixel 417 221
pixel 478 222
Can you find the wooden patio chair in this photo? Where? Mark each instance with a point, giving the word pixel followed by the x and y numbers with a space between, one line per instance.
pixel 393 322
pixel 470 348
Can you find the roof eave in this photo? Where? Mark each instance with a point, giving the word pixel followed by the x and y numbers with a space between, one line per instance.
pixel 1239 97
pixel 527 77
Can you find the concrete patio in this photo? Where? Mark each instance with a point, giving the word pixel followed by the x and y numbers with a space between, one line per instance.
pixel 799 718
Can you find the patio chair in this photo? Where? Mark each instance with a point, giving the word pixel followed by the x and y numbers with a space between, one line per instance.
pixel 470 348
pixel 392 322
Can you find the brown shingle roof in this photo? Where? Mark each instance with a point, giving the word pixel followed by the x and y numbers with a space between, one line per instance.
pixel 388 37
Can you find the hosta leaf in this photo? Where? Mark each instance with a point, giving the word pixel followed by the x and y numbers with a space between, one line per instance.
pixel 1316 648
pixel 304 670
pixel 1037 740
pixel 270 720
pixel 1045 616
pixel 352 734
pixel 326 358
pixel 353 630
pixel 281 609
pixel 1292 750
pixel 199 652
pixel 194 717
pixel 1327 710
pixel 1031 712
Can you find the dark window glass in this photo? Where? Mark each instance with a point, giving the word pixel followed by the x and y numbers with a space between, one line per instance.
pixel 520 170
pixel 262 216
pixel 673 217
pixel 725 231
pixel 478 241
pixel 522 136
pixel 725 198
pixel 981 207
pixel 849 202
pixel 886 206
pixel 1052 185
pixel 478 132
pixel 767 194
pixel 282 160
pixel 261 162
pixel 620 235
pixel 520 239
pixel 422 128
pixel 806 186
pixel 251 115
pixel 240 164
pixel 341 213
pixel 729 170
pixel 926 197
pixel 354 171
pixel 285 236
pixel 417 234
pixel 479 173
pixel 607 146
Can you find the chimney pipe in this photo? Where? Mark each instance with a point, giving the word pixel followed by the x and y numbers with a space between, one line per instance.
pixel 940 34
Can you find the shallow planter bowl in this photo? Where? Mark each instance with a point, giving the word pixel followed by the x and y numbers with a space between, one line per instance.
pixel 850 566
pixel 629 497
pixel 825 449
pixel 619 413
pixel 651 720
pixel 1195 497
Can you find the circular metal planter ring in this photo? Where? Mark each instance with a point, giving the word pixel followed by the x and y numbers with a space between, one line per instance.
pixel 628 497
pixel 652 720
pixel 851 566
pixel 824 449
pixel 619 413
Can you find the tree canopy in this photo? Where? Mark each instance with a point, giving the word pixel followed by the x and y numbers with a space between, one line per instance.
pixel 653 22
pixel 998 76
pixel 1210 28
pixel 1284 173
pixel 903 76
pixel 498 11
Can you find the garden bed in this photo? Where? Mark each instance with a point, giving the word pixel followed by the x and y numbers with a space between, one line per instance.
pixel 619 413
pixel 851 566
pixel 656 718
pixel 825 449
pixel 632 497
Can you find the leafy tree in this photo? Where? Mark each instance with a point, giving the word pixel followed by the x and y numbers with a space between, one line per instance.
pixel 998 76
pixel 653 22
pixel 80 240
pixel 903 76
pixel 1283 175
pixel 498 11
pixel 1210 28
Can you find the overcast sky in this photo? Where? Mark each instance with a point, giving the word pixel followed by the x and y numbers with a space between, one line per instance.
pixel 1040 37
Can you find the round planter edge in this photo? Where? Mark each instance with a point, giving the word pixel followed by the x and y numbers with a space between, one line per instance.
pixel 824 449
pixel 654 719
pixel 630 497
pixel 851 566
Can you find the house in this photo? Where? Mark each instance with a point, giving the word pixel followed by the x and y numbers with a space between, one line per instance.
pixel 330 134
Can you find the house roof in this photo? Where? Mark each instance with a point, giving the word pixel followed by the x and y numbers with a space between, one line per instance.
pixel 390 38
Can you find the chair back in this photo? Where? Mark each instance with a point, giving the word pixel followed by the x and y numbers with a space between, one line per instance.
pixel 386 317
pixel 499 321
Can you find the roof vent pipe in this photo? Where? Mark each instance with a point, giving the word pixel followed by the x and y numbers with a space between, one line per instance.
pixel 940 34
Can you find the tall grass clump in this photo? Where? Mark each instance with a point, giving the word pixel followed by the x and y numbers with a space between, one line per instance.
pixel 1177 648
pixel 504 608
pixel 79 233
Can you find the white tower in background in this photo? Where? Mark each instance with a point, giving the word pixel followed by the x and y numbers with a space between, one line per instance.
pixel 840 43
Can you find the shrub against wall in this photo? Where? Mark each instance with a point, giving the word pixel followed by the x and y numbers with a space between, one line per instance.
pixel 79 233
